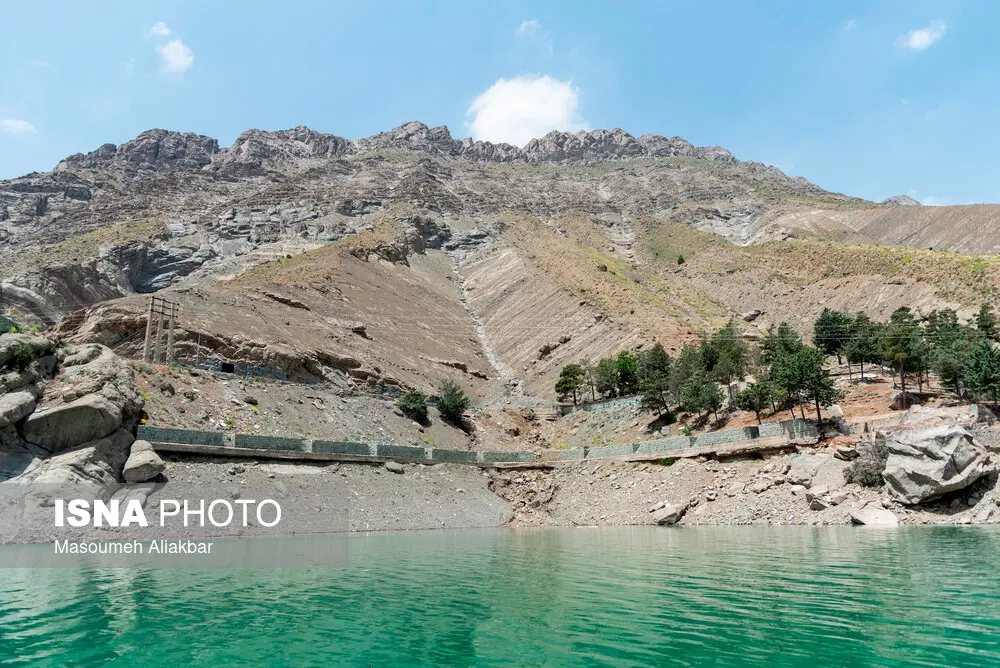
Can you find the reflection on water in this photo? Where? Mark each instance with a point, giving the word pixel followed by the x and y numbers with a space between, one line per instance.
pixel 629 596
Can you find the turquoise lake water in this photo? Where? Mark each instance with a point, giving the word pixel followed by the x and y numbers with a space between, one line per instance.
pixel 648 596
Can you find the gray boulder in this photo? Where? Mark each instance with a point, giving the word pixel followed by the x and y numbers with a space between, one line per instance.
pixel 802 467
pixel 394 467
pixel 670 514
pixel 897 401
pixel 873 514
pixel 66 425
pixel 15 406
pixel 924 464
pixel 95 463
pixel 830 473
pixel 143 463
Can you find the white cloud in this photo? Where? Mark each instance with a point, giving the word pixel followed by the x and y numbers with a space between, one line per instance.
pixel 16 127
pixel 922 38
pixel 528 28
pixel 517 110
pixel 175 55
pixel 850 26
pixel 930 200
pixel 159 29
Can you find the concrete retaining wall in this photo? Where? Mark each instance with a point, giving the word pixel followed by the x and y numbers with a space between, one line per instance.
pixel 569 453
pixel 147 432
pixel 342 448
pixel 401 451
pixel 727 436
pixel 665 444
pixel 504 456
pixel 462 456
pixel 796 431
pixel 611 451
pixel 255 442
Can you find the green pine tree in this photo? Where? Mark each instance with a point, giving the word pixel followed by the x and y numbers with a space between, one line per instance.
pixel 983 370
pixel 986 323
pixel 571 381
pixel 653 373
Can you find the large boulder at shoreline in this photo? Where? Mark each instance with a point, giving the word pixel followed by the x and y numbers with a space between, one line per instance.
pixel 143 463
pixel 924 464
pixel 93 396
pixel 873 514
pixel 670 514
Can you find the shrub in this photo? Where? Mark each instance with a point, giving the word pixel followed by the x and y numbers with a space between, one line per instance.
pixel 414 406
pixel 867 469
pixel 680 259
pixel 23 356
pixel 452 402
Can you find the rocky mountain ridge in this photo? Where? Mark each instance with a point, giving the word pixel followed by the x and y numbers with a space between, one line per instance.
pixel 255 149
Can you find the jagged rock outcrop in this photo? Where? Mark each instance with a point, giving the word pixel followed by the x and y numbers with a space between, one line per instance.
pixel 190 210
pixel 67 422
pixel 153 150
pixel 94 395
pixel 925 464
pixel 257 151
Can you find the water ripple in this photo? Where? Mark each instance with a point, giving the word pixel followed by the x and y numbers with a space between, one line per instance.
pixel 752 596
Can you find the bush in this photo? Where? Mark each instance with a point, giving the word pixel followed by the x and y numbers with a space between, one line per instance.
pixel 414 406
pixel 22 357
pixel 680 259
pixel 452 402
pixel 867 469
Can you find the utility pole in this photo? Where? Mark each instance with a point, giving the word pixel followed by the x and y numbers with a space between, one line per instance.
pixel 160 308
pixel 149 331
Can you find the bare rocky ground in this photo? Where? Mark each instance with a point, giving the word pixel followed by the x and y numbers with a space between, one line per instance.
pixel 736 492
pixel 443 496
pixel 769 491
pixel 197 399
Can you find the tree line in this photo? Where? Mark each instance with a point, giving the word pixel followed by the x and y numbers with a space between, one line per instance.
pixel 787 372
pixel 964 356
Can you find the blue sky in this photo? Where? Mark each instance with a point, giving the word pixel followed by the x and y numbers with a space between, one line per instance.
pixel 868 98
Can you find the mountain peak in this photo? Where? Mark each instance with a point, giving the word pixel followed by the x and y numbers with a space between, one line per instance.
pixel 900 200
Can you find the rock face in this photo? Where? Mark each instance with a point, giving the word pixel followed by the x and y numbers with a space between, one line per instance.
pixel 143 463
pixel 927 463
pixel 184 205
pixel 98 462
pixel 93 396
pixel 873 514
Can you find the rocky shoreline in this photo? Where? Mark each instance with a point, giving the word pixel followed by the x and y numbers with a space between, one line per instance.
pixel 68 414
